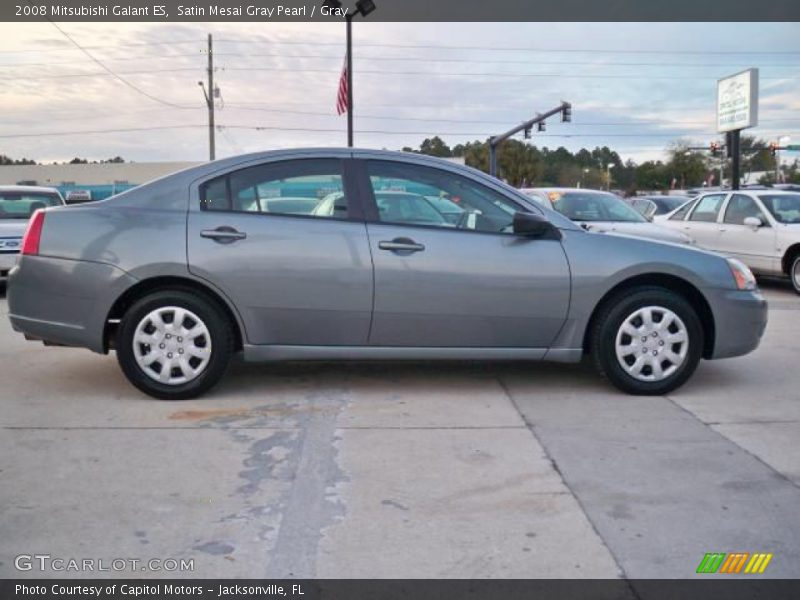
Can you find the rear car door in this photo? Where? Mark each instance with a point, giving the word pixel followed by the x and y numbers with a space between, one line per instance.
pixel 756 247
pixel 702 223
pixel 297 275
pixel 471 283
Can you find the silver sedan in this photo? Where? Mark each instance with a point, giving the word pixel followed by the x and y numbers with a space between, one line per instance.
pixel 179 274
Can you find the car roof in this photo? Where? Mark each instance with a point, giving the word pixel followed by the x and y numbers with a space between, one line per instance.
pixel 564 190
pixel 28 188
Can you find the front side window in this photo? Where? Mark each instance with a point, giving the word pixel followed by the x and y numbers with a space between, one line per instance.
pixel 707 208
pixel 311 187
pixel 416 195
pixel 740 207
pixel 21 205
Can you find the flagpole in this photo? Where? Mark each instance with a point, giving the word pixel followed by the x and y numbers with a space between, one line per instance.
pixel 349 20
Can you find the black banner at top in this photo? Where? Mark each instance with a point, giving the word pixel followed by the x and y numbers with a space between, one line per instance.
pixel 400 10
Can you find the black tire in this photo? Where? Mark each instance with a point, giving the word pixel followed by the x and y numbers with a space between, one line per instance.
pixel 219 328
pixel 794 273
pixel 610 319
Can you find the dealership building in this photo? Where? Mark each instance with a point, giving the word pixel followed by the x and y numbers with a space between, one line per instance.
pixel 101 180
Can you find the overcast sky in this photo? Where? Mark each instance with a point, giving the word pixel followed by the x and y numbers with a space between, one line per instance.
pixel 634 87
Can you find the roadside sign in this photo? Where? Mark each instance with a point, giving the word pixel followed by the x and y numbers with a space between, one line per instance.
pixel 737 101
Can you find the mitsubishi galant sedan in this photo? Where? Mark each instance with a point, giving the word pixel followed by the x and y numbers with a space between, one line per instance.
pixel 179 274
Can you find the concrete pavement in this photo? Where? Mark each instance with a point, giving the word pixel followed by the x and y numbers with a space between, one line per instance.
pixel 403 470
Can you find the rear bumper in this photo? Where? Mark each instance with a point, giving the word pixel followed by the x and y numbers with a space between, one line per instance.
pixel 64 301
pixel 740 318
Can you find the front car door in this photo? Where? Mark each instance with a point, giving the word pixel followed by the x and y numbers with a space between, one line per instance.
pixel 468 281
pixel 298 275
pixel 755 246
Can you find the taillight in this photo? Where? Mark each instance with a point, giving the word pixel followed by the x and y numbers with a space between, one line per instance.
pixel 33 234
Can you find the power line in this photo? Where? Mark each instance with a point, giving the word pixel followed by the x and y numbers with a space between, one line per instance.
pixel 467 74
pixel 516 48
pixel 99 74
pixel 413 59
pixel 111 72
pixel 339 130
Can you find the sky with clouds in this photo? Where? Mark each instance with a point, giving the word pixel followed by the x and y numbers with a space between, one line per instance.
pixel 634 87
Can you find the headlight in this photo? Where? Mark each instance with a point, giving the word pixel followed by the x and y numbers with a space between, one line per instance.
pixel 742 275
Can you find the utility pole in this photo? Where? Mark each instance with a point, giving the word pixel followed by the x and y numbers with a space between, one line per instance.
pixel 565 108
pixel 210 94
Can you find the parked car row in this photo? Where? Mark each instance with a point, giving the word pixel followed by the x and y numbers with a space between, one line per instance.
pixel 759 227
pixel 404 257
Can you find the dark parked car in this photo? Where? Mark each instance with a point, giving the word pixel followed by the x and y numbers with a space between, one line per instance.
pixel 178 274
pixel 665 204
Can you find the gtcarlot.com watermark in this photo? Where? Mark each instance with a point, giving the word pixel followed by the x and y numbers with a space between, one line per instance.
pixel 46 562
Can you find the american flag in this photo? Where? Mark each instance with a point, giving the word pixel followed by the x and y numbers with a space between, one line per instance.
pixel 341 96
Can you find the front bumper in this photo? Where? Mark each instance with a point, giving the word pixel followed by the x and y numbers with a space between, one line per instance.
pixel 740 319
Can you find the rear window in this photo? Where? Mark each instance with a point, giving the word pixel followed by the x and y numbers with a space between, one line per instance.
pixel 21 205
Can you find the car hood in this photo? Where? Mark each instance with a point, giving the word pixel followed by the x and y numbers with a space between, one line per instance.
pixel 13 227
pixel 645 230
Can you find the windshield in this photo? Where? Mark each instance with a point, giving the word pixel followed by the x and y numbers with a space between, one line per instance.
pixel 594 206
pixel 21 205
pixel 784 207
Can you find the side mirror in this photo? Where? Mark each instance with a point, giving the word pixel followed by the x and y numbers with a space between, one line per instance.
pixel 753 222
pixel 534 226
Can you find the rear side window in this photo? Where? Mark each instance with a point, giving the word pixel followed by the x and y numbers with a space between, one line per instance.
pixel 313 187
pixel 680 215
pixel 707 208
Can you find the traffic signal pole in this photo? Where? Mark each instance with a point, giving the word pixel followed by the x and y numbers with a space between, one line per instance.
pixel 565 108
pixel 734 149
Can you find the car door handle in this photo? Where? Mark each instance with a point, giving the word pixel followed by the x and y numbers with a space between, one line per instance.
pixel 401 245
pixel 223 235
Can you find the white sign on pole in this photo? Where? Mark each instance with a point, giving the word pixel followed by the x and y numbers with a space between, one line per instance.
pixel 737 101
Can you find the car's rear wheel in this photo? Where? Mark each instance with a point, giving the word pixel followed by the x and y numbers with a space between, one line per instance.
pixel 647 341
pixel 174 345
pixel 794 273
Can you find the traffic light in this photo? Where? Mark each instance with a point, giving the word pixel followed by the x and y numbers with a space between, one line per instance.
pixel 540 126
pixel 566 113
pixel 715 148
pixel 527 133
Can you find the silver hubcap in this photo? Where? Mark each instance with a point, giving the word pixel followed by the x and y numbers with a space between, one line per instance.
pixel 796 274
pixel 172 345
pixel 652 343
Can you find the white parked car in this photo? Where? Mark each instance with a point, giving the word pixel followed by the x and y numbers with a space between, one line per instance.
pixel 759 227
pixel 603 212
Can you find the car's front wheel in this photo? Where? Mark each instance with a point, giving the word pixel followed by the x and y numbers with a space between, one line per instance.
pixel 174 345
pixel 647 341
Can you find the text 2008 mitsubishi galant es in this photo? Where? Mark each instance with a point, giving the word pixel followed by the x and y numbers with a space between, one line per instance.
pixel 361 254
